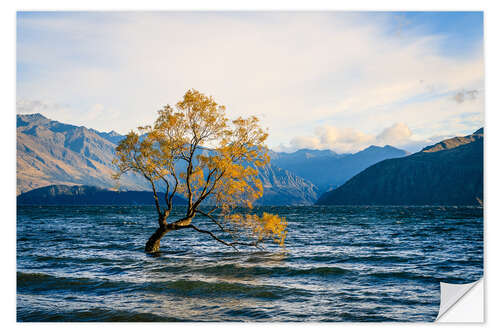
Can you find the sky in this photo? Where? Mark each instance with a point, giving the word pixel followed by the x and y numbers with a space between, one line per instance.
pixel 319 80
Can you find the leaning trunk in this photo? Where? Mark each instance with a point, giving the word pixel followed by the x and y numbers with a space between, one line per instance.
pixel 153 244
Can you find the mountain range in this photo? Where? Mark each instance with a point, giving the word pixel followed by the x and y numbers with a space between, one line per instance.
pixel 327 169
pixel 54 153
pixel 447 173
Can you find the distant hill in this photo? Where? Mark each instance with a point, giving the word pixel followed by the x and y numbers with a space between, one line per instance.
pixel 327 169
pixel 447 173
pixel 89 195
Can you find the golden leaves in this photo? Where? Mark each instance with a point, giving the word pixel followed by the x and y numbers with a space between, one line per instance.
pixel 266 226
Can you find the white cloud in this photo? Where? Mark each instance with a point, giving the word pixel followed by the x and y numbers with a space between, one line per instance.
pixel 30 106
pixel 47 108
pixel 397 134
pixel 97 113
pixel 342 140
pixel 347 140
pixel 299 69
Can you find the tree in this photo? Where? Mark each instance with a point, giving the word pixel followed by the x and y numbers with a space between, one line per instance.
pixel 195 151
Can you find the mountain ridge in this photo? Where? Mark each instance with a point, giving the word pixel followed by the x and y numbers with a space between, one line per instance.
pixel 454 142
pixel 447 173
pixel 327 169
pixel 51 152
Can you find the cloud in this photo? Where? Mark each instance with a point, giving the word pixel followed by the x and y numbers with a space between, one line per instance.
pixel 47 108
pixel 398 133
pixel 463 95
pixel 348 140
pixel 97 113
pixel 329 137
pixel 29 106
pixel 302 142
pixel 343 140
pixel 339 68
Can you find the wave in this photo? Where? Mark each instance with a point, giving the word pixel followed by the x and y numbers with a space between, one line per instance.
pixel 220 289
pixel 91 315
pixel 401 275
pixel 40 283
pixel 256 271
pixel 378 259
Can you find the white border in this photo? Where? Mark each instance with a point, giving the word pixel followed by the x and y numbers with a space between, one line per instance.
pixel 492 167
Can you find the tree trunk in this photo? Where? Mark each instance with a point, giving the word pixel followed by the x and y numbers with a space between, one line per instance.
pixel 153 244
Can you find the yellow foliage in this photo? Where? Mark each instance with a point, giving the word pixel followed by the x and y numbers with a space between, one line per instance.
pixel 267 226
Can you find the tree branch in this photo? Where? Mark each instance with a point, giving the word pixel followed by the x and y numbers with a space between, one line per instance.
pixel 167 201
pixel 232 244
pixel 202 197
pixel 174 190
pixel 213 236
pixel 188 179
pixel 213 219
pixel 158 208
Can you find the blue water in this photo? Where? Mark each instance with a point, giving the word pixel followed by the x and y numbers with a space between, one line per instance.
pixel 340 264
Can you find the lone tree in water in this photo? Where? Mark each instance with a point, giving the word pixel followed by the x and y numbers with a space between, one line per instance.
pixel 195 151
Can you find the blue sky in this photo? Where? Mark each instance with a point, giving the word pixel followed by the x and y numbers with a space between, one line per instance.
pixel 324 80
pixel 464 30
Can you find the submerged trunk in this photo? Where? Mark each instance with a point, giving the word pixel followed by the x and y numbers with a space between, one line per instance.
pixel 153 244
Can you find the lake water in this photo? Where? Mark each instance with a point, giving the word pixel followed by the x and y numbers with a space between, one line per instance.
pixel 340 264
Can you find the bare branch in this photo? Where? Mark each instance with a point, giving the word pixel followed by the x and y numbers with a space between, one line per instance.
pixel 213 236
pixel 155 195
pixel 174 190
pixel 213 220
pixel 232 244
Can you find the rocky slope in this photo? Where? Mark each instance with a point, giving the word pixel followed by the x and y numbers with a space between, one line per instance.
pixel 447 173
pixel 282 187
pixel 49 152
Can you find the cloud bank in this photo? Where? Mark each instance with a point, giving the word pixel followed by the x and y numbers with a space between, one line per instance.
pixel 344 140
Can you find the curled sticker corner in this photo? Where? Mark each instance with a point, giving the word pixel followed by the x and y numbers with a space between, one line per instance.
pixel 451 294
